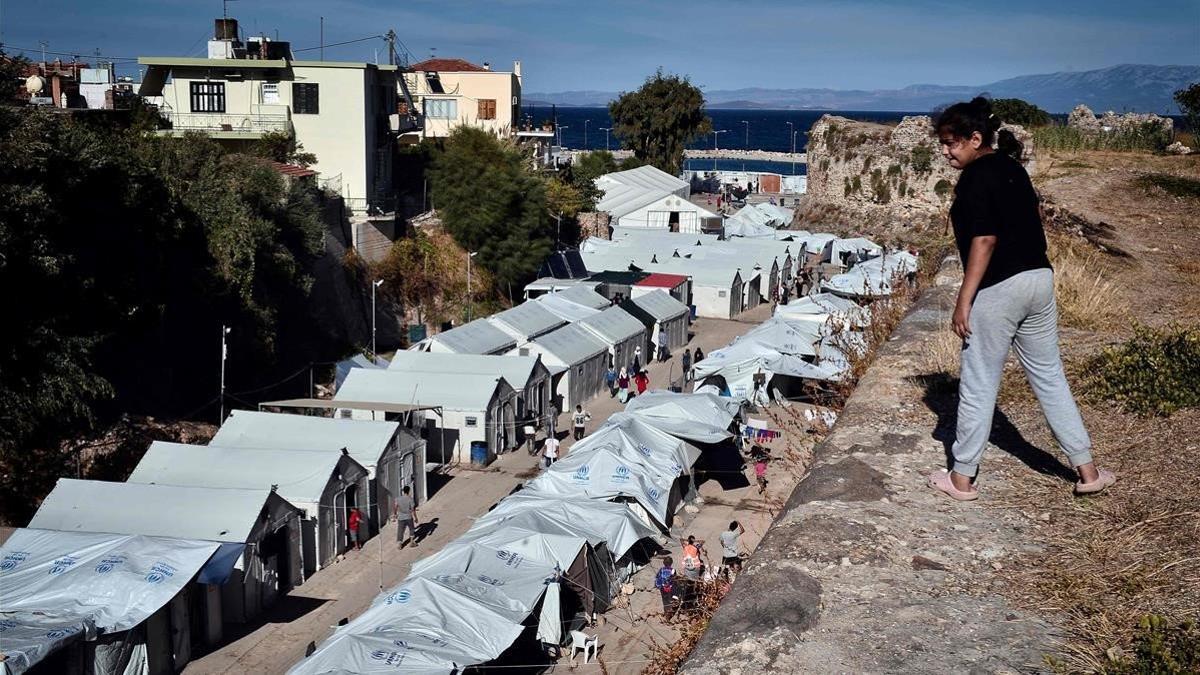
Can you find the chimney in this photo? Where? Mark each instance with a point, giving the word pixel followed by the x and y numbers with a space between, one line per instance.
pixel 517 69
pixel 226 29
pixel 487 66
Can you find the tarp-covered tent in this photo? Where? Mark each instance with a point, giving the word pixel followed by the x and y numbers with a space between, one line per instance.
pixel 826 307
pixel 57 588
pixel 613 524
pixel 698 417
pixel 743 227
pixel 837 251
pixel 393 455
pixel 420 626
pixel 873 278
pixel 528 375
pixel 270 564
pixel 665 318
pixel 526 321
pixel 473 407
pixel 606 474
pixel 476 337
pixel 577 360
pixel 326 484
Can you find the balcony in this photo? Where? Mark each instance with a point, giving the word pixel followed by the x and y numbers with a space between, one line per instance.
pixel 236 126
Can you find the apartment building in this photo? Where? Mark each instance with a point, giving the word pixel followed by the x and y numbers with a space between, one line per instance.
pixel 343 112
pixel 454 92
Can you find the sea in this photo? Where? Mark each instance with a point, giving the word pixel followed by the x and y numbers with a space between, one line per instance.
pixel 754 129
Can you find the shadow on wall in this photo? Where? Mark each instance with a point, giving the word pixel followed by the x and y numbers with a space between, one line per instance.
pixel 941 396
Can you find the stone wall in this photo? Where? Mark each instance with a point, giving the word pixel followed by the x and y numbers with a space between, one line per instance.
pixel 1084 119
pixel 866 173
pixel 594 224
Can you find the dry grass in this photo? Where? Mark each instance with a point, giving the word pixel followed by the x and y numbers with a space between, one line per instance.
pixel 943 352
pixel 1084 284
pixel 665 659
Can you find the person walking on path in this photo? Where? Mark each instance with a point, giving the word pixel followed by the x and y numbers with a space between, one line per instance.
pixel 664 581
pixel 698 356
pixel 550 451
pixel 731 557
pixel 579 421
pixel 552 423
pixel 406 517
pixel 623 386
pixel 610 379
pixel 642 380
pixel 637 358
pixel 352 524
pixel 1006 299
pixel 686 362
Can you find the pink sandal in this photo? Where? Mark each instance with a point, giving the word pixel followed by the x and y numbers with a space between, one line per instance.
pixel 1106 479
pixel 940 480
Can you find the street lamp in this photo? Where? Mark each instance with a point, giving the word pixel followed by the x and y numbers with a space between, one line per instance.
pixel 374 285
pixel 470 300
pixel 747 123
pixel 606 130
pixel 585 127
pixel 559 130
pixel 715 132
pixel 794 152
pixel 224 354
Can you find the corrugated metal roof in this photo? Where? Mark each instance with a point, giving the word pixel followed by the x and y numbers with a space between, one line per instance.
pixel 476 337
pixel 301 474
pixel 662 280
pixel 528 319
pixel 569 311
pixel 659 304
pixel 516 370
pixel 571 344
pixel 157 510
pixel 582 295
pixel 366 440
pixel 452 391
pixel 613 325
pixel 646 177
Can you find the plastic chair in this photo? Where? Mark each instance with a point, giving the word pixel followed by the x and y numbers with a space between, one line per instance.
pixel 581 640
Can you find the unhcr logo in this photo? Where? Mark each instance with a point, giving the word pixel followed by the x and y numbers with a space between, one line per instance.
pixel 653 494
pixel 6 624
pixel 490 581
pixel 108 564
pixel 63 564
pixel 581 474
pixel 159 572
pixel 399 597
pixel 645 450
pixel 13 559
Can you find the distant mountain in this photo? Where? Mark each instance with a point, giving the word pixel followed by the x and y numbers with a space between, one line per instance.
pixel 1143 88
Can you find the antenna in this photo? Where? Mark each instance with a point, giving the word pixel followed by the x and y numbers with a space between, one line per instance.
pixel 225 8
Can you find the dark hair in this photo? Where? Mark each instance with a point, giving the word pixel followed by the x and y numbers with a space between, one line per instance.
pixel 964 119
pixel 667 561
pixel 733 524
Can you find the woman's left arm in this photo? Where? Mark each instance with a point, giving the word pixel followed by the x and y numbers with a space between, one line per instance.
pixel 977 263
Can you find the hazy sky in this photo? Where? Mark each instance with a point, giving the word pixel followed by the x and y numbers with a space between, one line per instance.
pixel 613 45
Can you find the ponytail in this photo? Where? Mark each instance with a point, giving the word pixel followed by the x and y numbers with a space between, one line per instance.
pixel 1007 143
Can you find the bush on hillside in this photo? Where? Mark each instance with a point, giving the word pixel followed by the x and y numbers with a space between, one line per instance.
pixel 1156 372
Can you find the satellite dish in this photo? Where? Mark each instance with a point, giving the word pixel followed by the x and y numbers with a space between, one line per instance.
pixel 34 84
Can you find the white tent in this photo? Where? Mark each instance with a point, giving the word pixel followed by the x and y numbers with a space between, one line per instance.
pixel 63 587
pixel 873 278
pixel 826 307
pixel 613 524
pixel 742 227
pixel 835 249
pixel 605 474
pixel 565 309
pixel 698 417
pixel 326 484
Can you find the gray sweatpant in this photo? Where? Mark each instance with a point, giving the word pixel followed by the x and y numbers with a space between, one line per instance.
pixel 1019 311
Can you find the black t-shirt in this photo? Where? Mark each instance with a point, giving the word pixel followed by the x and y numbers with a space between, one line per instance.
pixel 994 197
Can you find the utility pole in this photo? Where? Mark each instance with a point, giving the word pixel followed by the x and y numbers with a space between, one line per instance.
pixel 390 37
pixel 322 38
pixel 224 354
pixel 585 128
pixel 792 131
pixel 747 123
pixel 606 130
pixel 374 285
pixel 715 132
pixel 470 299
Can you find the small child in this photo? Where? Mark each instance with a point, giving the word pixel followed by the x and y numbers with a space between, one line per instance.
pixel 760 471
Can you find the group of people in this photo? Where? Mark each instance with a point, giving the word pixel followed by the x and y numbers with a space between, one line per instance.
pixel 405 509
pixel 678 588
pixel 619 383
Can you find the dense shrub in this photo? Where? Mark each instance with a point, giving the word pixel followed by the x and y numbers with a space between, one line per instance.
pixel 1161 649
pixel 1149 137
pixel 1177 186
pixel 922 158
pixel 1156 372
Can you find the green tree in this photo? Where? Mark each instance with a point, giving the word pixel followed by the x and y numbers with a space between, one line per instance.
pixel 280 146
pixel 1188 101
pixel 491 203
pixel 658 120
pixel 584 171
pixel 12 77
pixel 1016 111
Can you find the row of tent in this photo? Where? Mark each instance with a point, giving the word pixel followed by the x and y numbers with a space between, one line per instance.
pixel 140 574
pixel 555 550
pixel 487 381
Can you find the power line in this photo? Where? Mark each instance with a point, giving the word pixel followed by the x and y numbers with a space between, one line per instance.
pixel 338 44
pixel 75 54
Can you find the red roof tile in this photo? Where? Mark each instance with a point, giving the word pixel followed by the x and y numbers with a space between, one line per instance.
pixel 447 66
pixel 662 280
pixel 293 170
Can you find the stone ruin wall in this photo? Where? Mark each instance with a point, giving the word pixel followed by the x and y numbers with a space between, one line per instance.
pixel 881 179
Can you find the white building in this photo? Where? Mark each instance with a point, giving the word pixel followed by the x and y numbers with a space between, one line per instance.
pixel 452 92
pixel 269 565
pixel 393 455
pixel 525 373
pixel 471 407
pixel 325 484
pixel 649 198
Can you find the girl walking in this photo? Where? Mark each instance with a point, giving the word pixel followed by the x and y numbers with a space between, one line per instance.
pixel 1006 299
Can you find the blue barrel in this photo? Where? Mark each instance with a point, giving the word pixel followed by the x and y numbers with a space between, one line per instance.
pixel 479 453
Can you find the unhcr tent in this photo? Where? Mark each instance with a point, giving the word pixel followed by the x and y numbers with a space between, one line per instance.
pixel 873 278
pixel 60 588
pixel 607 471
pixel 826 307
pixel 742 227
pixel 611 523
pixel 326 484
pixel 837 251
pixel 701 418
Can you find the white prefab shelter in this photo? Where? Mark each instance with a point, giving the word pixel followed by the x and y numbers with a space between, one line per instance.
pixel 526 321
pixel 646 178
pixel 583 295
pixel 266 524
pixel 620 332
pixel 472 407
pixel 526 374
pixel 110 603
pixel 393 455
pixel 568 311
pixel 717 292
pixel 656 210
pixel 665 318
pixel 477 337
pixel 325 484
pixel 577 361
